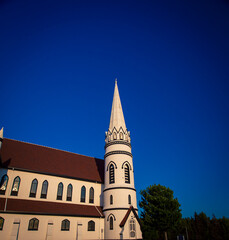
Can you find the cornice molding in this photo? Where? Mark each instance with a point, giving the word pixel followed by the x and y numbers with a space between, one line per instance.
pixel 109 209
pixel 118 152
pixel 117 142
pixel 119 188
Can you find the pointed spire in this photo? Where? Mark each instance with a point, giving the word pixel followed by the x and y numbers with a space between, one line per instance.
pixel 117 117
pixel 1 133
pixel 1 137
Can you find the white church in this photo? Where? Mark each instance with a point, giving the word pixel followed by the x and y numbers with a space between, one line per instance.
pixel 47 193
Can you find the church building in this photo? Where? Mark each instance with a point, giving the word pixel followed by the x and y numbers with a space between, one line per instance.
pixel 50 194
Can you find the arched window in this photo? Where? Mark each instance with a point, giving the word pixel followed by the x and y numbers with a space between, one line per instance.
pixel 121 135
pixel 111 199
pixel 132 228
pixel 33 189
pixel 69 192
pixel 111 223
pixel 65 225
pixel 15 187
pixel 91 195
pixel 3 184
pixel 127 174
pixel 115 135
pixel 111 174
pixel 60 191
pixel 1 223
pixel 83 194
pixel 44 189
pixel 33 224
pixel 91 226
pixel 129 199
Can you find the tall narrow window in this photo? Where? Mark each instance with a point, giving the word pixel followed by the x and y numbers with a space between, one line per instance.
pixel 115 135
pixel 121 135
pixel 129 199
pixel 69 193
pixel 91 195
pixel 91 226
pixel 83 194
pixel 44 189
pixel 127 174
pixel 15 187
pixel 60 191
pixel 111 223
pixel 1 223
pixel 3 184
pixel 111 199
pixel 33 224
pixel 65 225
pixel 111 174
pixel 33 189
pixel 132 228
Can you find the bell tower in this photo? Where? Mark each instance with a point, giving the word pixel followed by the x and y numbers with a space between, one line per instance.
pixel 119 190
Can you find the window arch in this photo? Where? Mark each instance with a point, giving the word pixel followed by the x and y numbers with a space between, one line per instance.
pixel 3 184
pixel 1 223
pixel 44 189
pixel 65 225
pixel 60 191
pixel 111 199
pixel 111 223
pixel 91 195
pixel 33 224
pixel 129 199
pixel 91 226
pixel 16 185
pixel 127 173
pixel 33 189
pixel 115 135
pixel 83 194
pixel 111 174
pixel 121 136
pixel 69 192
pixel 132 228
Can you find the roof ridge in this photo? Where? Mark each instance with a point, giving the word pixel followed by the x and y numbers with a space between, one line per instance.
pixel 51 148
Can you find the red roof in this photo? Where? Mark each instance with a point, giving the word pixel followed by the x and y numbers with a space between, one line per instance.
pixel 49 208
pixel 35 158
pixel 123 222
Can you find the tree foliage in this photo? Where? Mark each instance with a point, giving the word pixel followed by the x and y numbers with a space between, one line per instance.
pixel 161 211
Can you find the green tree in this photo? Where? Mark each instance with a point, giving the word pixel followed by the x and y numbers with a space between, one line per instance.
pixel 161 211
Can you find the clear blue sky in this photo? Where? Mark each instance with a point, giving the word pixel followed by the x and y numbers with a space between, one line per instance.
pixel 58 63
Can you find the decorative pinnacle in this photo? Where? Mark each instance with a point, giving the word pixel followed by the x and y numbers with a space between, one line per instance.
pixel 117 117
pixel 1 133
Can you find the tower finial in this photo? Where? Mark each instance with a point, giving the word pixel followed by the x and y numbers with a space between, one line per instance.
pixel 117 117
pixel 1 136
pixel 116 80
pixel 1 133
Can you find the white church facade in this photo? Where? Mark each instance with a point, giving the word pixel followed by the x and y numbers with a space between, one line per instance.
pixel 50 194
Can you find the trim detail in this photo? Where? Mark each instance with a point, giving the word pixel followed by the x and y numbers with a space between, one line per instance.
pixel 118 152
pixel 108 209
pixel 119 188
pixel 117 142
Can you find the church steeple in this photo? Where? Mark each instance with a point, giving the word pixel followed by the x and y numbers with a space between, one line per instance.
pixel 1 136
pixel 117 128
pixel 117 117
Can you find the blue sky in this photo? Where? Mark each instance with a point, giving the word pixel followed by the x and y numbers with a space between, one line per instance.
pixel 58 63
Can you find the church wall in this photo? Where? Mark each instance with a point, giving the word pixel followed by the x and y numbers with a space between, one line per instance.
pixel 53 181
pixel 78 227
pixel 120 195
pixel 117 230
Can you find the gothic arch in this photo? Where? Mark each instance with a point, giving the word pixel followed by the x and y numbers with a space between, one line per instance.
pixel 108 217
pixel 126 162
pixel 108 165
